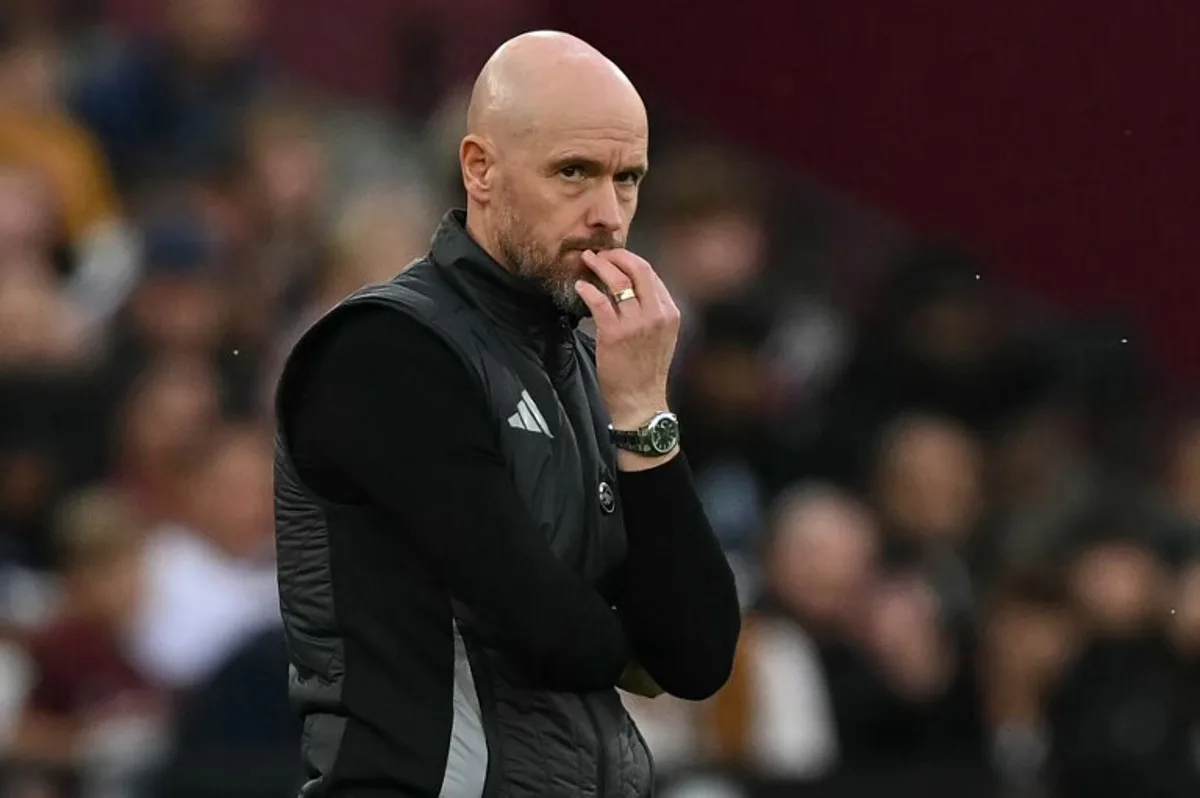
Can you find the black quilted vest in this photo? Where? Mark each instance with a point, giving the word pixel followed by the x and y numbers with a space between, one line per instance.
pixel 537 373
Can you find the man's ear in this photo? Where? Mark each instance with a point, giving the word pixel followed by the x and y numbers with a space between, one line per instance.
pixel 476 156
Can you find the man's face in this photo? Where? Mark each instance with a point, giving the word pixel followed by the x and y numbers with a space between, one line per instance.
pixel 30 75
pixel 824 556
pixel 232 495
pixel 564 189
pixel 216 31
pixel 170 415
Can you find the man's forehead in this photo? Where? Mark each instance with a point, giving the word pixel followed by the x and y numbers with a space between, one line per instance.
pixel 586 107
pixel 594 133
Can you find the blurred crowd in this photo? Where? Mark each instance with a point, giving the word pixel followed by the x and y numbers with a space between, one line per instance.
pixel 964 530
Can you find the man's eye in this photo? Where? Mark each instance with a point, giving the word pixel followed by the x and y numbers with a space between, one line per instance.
pixel 572 172
pixel 629 178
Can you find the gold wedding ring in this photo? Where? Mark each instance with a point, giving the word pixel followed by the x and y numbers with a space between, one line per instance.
pixel 624 295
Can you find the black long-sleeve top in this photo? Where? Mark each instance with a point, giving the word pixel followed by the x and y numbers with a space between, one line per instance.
pixel 416 440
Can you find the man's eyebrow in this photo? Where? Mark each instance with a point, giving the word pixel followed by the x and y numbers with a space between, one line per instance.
pixel 573 159
pixel 594 165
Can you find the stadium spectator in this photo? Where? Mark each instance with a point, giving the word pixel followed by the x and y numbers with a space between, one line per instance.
pixel 90 708
pixel 211 573
pixel 843 666
pixel 163 425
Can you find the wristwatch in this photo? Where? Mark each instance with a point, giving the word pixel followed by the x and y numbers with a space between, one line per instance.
pixel 658 437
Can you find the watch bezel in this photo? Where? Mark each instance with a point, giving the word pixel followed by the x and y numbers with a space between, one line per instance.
pixel 654 425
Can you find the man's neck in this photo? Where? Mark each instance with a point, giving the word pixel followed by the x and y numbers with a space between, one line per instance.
pixel 481 233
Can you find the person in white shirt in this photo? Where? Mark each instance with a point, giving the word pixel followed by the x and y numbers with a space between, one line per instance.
pixel 212 580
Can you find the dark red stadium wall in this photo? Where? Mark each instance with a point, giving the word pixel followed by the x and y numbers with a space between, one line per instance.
pixel 1062 137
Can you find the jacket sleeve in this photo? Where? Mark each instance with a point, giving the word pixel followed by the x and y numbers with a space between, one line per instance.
pixel 385 413
pixel 679 602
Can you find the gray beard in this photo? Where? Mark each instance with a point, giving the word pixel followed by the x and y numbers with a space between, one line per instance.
pixel 567 299
pixel 542 273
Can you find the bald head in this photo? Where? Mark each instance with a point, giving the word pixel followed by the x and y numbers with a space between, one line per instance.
pixel 554 155
pixel 542 76
pixel 823 548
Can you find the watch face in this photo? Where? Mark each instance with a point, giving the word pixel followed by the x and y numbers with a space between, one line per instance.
pixel 664 434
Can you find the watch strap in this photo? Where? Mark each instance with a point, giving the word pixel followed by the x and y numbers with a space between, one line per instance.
pixel 631 441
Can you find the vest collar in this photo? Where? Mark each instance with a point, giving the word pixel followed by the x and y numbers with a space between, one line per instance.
pixel 503 296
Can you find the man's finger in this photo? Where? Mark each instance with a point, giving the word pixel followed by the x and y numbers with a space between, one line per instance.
pixel 641 274
pixel 598 303
pixel 613 278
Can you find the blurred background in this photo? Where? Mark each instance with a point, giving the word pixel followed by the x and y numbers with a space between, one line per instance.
pixel 938 264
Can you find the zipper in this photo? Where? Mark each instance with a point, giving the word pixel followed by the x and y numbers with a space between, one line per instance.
pixel 602 750
pixel 560 352
pixel 560 360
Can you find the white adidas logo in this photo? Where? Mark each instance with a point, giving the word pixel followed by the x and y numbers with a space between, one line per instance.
pixel 528 417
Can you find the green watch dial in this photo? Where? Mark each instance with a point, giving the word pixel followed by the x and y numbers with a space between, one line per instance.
pixel 663 434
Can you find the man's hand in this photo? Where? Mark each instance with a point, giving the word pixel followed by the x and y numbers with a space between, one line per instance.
pixel 635 338
pixel 635 680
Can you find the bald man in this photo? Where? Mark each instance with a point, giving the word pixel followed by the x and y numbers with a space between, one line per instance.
pixel 484 522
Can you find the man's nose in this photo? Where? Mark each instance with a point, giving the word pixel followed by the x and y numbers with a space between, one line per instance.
pixel 604 211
